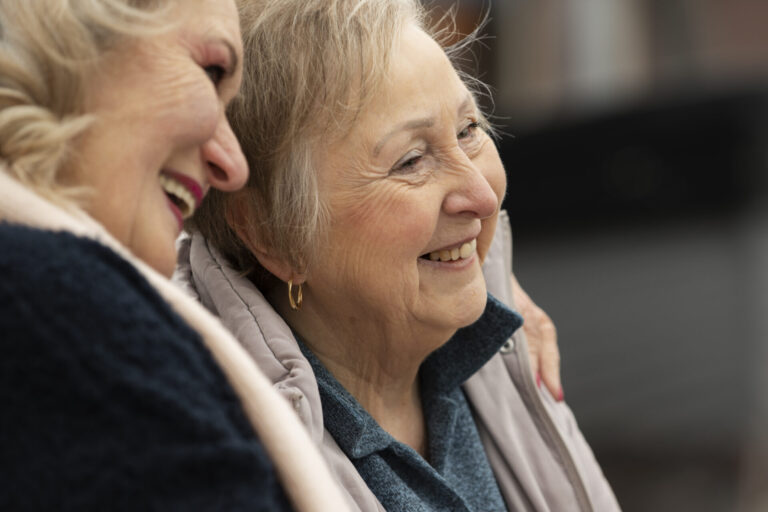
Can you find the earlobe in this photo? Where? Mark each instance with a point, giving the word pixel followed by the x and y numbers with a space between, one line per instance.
pixel 276 266
pixel 235 212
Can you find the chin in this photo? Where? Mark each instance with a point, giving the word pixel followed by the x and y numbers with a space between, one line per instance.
pixel 156 248
pixel 167 266
pixel 470 306
pixel 477 308
pixel 163 262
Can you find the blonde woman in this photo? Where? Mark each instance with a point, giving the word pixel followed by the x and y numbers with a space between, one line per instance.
pixel 351 265
pixel 117 391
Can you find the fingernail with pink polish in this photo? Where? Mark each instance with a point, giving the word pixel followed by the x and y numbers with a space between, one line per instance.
pixel 560 395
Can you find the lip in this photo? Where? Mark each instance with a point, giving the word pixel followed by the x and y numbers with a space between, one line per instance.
pixel 190 184
pixel 455 245
pixel 454 265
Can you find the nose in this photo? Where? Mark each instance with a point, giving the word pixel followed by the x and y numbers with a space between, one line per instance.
pixel 227 168
pixel 472 193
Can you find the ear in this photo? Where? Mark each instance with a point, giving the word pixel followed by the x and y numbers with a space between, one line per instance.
pixel 236 213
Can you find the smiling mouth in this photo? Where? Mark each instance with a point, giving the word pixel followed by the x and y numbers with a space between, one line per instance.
pixel 178 194
pixel 460 252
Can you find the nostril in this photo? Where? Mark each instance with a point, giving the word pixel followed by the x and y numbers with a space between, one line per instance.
pixel 217 172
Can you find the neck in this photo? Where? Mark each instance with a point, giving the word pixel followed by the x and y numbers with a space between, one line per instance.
pixel 376 363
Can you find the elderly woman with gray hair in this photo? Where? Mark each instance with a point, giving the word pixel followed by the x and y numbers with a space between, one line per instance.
pixel 351 266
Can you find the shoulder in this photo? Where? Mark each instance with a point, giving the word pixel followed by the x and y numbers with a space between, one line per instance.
pixel 69 302
pixel 47 268
pixel 55 285
pixel 58 258
pixel 110 400
pixel 23 244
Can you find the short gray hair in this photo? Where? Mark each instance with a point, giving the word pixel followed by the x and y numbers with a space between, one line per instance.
pixel 310 67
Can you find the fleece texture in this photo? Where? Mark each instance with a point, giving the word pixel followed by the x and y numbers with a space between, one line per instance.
pixel 108 399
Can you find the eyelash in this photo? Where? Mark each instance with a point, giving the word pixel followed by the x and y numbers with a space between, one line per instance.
pixel 471 127
pixel 414 160
pixel 408 164
pixel 215 72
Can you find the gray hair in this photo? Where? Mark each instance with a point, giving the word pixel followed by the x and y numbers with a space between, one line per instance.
pixel 310 67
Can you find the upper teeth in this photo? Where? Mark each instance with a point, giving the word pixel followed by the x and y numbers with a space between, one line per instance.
pixel 172 186
pixel 465 251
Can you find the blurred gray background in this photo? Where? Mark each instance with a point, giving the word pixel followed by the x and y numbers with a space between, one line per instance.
pixel 636 147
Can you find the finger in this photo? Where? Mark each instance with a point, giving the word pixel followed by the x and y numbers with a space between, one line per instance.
pixel 519 296
pixel 534 356
pixel 527 310
pixel 533 337
pixel 550 360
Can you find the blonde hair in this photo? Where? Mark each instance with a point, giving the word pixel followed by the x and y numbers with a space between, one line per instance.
pixel 310 67
pixel 48 50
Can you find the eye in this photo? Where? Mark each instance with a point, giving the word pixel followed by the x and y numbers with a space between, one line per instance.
pixel 215 72
pixel 407 164
pixel 468 131
pixel 411 162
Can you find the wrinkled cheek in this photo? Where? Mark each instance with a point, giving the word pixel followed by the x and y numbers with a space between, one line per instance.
pixel 192 115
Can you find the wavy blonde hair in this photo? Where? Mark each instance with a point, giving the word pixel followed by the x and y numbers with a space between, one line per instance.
pixel 310 67
pixel 48 50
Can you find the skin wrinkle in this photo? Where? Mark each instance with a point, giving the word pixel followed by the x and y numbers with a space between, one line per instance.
pixel 157 109
pixel 170 93
pixel 420 124
pixel 372 311
pixel 363 207
pixel 413 125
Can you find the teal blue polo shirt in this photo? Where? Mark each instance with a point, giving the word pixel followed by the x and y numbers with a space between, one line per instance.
pixel 458 476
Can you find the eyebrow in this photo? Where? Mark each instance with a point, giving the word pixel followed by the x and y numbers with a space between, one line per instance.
pixel 415 124
pixel 411 125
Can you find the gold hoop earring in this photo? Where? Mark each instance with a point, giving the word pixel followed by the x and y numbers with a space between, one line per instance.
pixel 295 304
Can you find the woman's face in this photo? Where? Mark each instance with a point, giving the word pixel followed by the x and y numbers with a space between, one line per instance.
pixel 416 183
pixel 161 138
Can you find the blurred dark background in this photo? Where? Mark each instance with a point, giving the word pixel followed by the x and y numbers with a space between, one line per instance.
pixel 636 147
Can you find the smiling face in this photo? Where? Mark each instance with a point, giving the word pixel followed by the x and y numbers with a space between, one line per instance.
pixel 161 138
pixel 413 195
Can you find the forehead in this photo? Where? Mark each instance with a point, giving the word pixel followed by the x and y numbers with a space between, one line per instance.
pixel 212 18
pixel 421 80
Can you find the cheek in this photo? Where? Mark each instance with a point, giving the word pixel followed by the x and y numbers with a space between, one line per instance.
pixel 393 221
pixel 197 122
pixel 189 111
